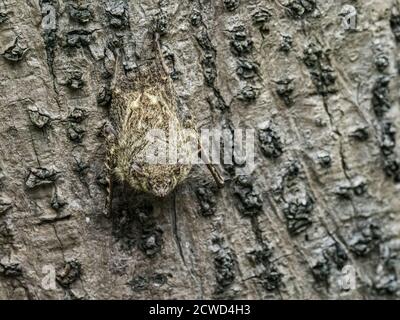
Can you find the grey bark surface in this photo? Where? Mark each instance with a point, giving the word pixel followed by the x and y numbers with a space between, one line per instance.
pixel 323 197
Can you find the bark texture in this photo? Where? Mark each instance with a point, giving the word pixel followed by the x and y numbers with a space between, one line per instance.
pixel 323 197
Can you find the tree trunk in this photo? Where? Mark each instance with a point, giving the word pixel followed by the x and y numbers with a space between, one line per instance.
pixel 317 217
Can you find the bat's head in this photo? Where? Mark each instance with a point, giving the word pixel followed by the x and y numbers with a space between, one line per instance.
pixel 162 188
pixel 156 179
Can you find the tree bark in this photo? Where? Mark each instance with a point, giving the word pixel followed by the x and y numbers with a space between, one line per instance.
pixel 319 215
